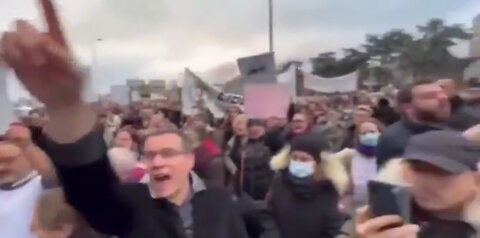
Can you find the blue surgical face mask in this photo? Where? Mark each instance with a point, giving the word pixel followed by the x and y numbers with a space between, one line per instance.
pixel 369 139
pixel 301 169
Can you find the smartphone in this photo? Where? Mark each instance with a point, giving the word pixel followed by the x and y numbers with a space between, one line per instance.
pixel 387 199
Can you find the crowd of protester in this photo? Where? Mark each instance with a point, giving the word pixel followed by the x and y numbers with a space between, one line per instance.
pixel 146 170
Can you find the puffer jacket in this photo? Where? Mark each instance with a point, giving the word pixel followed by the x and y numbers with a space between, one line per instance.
pixel 255 175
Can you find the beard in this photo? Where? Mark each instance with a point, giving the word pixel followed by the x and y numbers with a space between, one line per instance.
pixel 428 116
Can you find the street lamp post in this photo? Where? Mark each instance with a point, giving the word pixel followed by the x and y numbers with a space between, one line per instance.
pixel 270 25
pixel 89 90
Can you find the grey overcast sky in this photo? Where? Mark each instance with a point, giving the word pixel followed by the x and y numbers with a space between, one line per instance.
pixel 159 38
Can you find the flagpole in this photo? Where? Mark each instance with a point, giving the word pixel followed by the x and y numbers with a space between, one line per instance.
pixel 270 16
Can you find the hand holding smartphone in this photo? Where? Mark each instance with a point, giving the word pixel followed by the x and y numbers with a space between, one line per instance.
pixel 387 199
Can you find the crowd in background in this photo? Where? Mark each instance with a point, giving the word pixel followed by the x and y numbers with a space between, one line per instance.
pixel 145 170
pixel 301 175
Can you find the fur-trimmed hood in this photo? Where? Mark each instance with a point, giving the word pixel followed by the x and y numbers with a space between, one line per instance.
pixel 392 173
pixel 332 167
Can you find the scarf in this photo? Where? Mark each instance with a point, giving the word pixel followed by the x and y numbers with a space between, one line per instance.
pixel 369 151
pixel 304 187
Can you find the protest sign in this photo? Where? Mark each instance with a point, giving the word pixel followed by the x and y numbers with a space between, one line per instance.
pixel 343 84
pixel 120 94
pixel 257 64
pixel 258 69
pixel 264 101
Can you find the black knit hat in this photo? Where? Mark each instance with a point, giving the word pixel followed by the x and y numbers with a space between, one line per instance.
pixel 310 143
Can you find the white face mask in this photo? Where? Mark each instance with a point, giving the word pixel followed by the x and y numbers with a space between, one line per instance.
pixel 301 169
pixel 369 139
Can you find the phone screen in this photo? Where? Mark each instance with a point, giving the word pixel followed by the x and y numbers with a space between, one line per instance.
pixel 388 199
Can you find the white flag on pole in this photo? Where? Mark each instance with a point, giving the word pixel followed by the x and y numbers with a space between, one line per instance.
pixel 190 94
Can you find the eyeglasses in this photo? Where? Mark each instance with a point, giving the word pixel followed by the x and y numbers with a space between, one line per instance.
pixel 166 153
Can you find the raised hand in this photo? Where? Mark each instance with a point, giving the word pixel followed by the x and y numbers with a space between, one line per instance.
pixel 43 61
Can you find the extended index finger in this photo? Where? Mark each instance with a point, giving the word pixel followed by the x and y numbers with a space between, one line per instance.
pixel 54 26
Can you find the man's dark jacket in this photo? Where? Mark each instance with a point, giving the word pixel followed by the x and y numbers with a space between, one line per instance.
pixel 394 140
pixel 255 175
pixel 128 210
pixel 431 227
pixel 463 115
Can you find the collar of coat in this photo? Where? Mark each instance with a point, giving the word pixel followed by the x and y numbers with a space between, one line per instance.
pixel 392 173
pixel 332 167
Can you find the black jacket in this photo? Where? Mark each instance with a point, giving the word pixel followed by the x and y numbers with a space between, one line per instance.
pixel 349 138
pixel 386 114
pixel 128 210
pixel 431 227
pixel 463 115
pixel 255 175
pixel 394 140
pixel 300 217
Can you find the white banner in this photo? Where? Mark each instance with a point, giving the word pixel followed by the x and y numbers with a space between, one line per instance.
pixel 343 84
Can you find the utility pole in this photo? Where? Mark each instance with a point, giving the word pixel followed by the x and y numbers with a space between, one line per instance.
pixel 270 16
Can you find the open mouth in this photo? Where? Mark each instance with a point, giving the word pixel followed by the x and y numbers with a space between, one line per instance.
pixel 162 177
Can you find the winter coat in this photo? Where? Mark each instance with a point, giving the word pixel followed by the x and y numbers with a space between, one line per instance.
pixel 304 217
pixel 349 138
pixel 463 115
pixel 129 210
pixel 346 157
pixel 209 164
pixel 255 175
pixel 394 139
pixel 467 227
pixel 273 139
pixel 387 115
